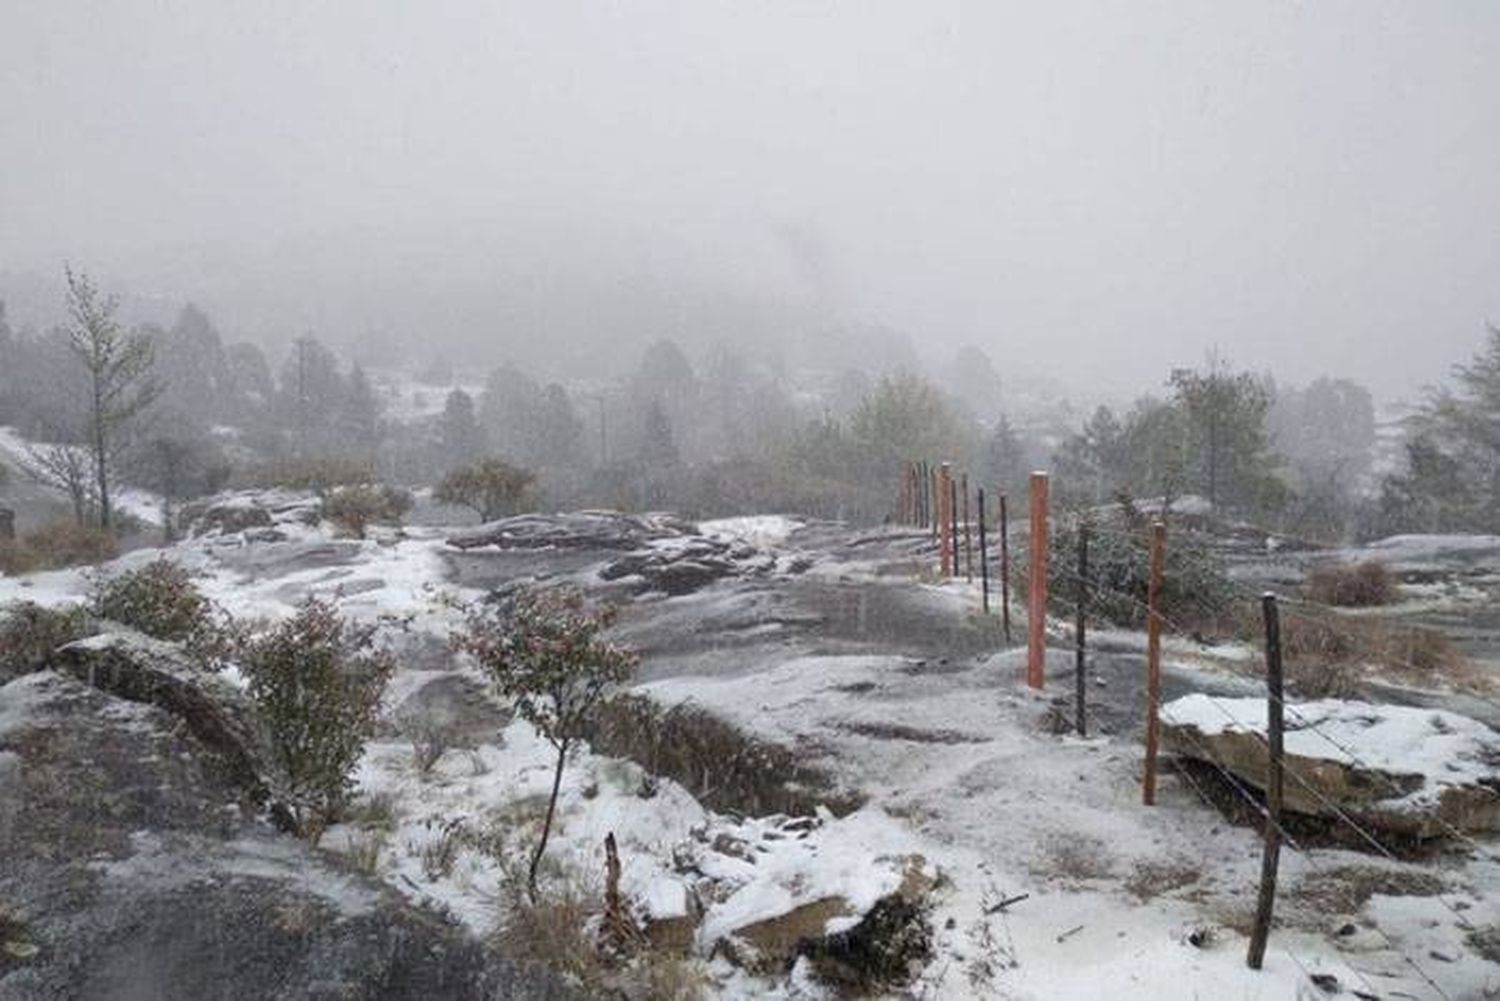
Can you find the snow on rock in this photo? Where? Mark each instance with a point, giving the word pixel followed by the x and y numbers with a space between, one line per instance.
pixel 762 531
pixel 1415 771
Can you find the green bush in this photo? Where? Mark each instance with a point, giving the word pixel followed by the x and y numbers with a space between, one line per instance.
pixel 30 632
pixel 355 508
pixel 316 683
pixel 159 599
pixel 1197 593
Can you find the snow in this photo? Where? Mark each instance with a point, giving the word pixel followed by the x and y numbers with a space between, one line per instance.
pixel 1443 748
pixel 761 531
pixel 962 784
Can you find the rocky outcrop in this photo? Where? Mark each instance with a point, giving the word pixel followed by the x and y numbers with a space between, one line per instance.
pixel 248 511
pixel 130 868
pixel 136 668
pixel 1412 773
pixel 606 530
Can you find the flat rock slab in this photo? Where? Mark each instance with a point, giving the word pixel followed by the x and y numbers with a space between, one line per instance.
pixel 1420 773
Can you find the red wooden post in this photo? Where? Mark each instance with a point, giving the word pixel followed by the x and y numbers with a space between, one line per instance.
pixel 1153 660
pixel 1036 618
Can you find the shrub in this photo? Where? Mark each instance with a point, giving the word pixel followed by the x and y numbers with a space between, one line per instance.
pixel 1196 591
pixel 490 488
pixel 29 633
pixel 1351 585
pixel 355 508
pixel 316 684
pixel 159 599
pixel 544 649
pixel 56 545
pixel 1326 654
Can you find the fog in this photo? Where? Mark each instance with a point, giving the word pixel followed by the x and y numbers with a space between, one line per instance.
pixel 1096 192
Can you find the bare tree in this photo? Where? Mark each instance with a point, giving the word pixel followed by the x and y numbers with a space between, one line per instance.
pixel 120 385
pixel 65 467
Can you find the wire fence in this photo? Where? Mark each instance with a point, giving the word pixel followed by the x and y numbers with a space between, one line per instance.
pixel 1090 586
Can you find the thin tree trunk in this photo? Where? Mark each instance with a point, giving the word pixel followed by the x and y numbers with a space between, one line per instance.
pixel 536 858
pixel 101 470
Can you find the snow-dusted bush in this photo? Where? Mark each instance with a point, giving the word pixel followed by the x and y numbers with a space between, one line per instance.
pixel 29 633
pixel 316 683
pixel 158 598
pixel 356 507
pixel 544 649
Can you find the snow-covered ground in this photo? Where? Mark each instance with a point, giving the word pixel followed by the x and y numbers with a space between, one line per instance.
pixel 890 682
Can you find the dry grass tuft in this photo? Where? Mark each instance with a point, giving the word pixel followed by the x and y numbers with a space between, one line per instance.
pixel 1367 584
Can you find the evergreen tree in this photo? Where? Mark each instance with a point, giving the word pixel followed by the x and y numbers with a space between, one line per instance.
pixel 459 435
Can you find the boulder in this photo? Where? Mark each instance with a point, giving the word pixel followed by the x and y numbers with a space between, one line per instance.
pixel 127 871
pixel 1413 773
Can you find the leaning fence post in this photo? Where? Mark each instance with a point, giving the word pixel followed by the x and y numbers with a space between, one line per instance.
pixel 1036 616
pixel 945 528
pixel 1080 635
pixel 984 562
pixel 1153 660
pixel 1004 569
pixel 1271 855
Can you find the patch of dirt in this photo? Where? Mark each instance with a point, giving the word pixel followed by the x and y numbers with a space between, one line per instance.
pixel 1346 889
pixel 1153 879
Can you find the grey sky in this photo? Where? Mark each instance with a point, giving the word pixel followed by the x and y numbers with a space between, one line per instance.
pixel 1108 187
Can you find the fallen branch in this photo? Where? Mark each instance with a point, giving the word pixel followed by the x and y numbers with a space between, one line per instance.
pixel 1002 905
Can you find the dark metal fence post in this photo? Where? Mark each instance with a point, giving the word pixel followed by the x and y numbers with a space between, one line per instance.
pixel 984 562
pixel 1271 856
pixel 1081 627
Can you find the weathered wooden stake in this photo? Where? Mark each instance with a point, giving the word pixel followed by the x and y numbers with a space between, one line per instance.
pixel 1080 635
pixel 1004 570
pixel 1153 660
pixel 952 526
pixel 968 532
pixel 1271 855
pixel 1036 615
pixel 935 504
pixel 984 559
pixel 944 568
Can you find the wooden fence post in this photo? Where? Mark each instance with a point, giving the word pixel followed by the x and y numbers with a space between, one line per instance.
pixel 952 526
pixel 1153 660
pixel 1036 616
pixel 1079 631
pixel 968 532
pixel 1004 569
pixel 935 504
pixel 1271 854
pixel 984 559
pixel 943 526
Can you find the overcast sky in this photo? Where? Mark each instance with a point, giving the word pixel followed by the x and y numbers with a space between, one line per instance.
pixel 1102 190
